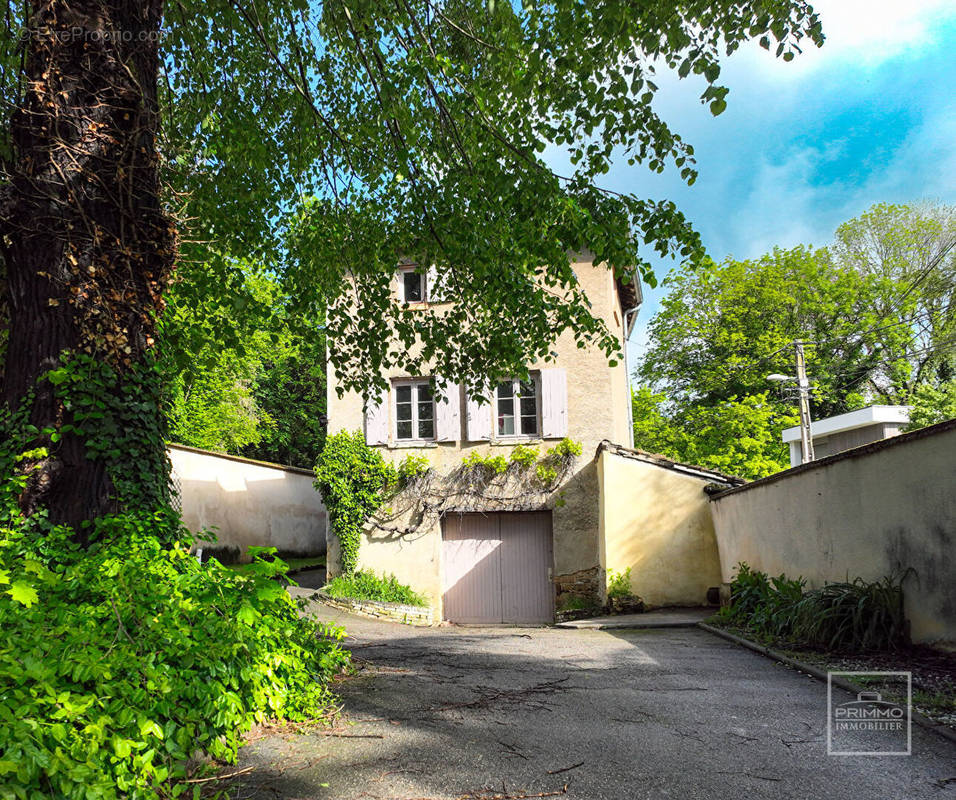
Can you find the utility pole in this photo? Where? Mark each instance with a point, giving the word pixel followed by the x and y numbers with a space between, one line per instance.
pixel 803 389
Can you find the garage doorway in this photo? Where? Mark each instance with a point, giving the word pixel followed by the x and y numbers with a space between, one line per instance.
pixel 498 567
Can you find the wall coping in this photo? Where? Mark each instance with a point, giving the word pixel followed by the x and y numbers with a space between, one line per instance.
pixel 856 452
pixel 667 463
pixel 241 459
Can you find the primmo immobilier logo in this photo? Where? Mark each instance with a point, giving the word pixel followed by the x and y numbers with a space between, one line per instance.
pixel 870 725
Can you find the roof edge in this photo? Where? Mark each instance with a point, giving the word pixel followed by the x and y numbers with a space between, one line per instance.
pixel 657 460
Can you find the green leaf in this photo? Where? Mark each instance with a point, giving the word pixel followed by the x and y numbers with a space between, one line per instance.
pixel 247 614
pixel 23 593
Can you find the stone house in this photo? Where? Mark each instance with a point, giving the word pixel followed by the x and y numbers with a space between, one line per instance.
pixel 510 549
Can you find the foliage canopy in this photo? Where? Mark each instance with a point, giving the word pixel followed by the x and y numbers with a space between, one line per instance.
pixel 419 128
pixel 875 310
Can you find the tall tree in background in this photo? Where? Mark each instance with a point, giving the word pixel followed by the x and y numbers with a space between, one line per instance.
pixel 419 122
pixel 874 308
pixel 249 383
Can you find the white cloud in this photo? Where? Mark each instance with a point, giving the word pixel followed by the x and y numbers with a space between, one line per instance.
pixel 864 33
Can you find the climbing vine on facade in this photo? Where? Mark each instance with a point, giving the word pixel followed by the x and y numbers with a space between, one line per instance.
pixel 361 489
pixel 354 481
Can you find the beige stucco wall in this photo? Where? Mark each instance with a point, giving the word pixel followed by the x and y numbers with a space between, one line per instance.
pixel 597 410
pixel 251 503
pixel 656 521
pixel 881 509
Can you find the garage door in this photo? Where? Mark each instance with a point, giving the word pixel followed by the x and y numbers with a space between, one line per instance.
pixel 497 567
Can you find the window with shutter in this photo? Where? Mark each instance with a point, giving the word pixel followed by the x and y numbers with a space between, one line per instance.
pixel 414 411
pixel 376 420
pixel 479 419
pixel 554 403
pixel 517 408
pixel 448 413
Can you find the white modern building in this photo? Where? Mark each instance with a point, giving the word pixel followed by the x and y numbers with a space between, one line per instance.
pixel 846 431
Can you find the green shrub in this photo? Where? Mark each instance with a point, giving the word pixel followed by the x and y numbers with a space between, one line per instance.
pixel 354 479
pixel 523 457
pixel 574 602
pixel 412 468
pixel 851 615
pixel 366 585
pixel 619 583
pixel 546 473
pixel 566 449
pixel 120 661
pixel 485 466
pixel 762 603
pixel 556 461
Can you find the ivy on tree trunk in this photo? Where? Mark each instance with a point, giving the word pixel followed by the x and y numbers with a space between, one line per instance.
pixel 87 245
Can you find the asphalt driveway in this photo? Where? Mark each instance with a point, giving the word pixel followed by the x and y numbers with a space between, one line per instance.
pixel 541 712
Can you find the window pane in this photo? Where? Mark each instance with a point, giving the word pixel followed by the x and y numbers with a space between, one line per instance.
pixel 403 394
pixel 529 406
pixel 527 389
pixel 404 429
pixel 424 391
pixel 426 428
pixel 506 389
pixel 506 425
pixel 529 425
pixel 426 410
pixel 413 287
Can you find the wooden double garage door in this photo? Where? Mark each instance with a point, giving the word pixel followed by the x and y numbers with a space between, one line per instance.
pixel 497 567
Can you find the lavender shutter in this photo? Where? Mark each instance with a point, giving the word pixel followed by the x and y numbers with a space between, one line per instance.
pixel 448 413
pixel 376 419
pixel 479 419
pixel 432 294
pixel 554 403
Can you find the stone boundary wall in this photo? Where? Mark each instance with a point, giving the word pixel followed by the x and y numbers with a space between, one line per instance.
pixel 247 503
pixel 395 612
pixel 877 510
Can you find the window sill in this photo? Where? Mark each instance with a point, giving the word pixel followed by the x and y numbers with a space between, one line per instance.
pixel 410 444
pixel 511 441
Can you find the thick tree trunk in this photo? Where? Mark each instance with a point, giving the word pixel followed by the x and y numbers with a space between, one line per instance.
pixel 87 246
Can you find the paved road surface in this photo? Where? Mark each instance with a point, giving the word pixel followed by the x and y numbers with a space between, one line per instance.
pixel 670 713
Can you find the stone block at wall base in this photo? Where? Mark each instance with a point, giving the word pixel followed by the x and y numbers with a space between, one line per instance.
pixel 583 585
pixel 572 614
pixel 392 612
pixel 625 605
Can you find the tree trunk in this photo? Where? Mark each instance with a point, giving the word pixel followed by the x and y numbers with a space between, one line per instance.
pixel 87 246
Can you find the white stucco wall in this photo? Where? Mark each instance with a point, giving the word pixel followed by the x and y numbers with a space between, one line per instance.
pixel 655 521
pixel 870 512
pixel 250 502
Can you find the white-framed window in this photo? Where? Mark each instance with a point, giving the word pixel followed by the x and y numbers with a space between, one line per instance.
pixel 518 408
pixel 414 411
pixel 413 285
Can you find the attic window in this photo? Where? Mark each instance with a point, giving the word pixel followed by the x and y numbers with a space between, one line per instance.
pixel 413 286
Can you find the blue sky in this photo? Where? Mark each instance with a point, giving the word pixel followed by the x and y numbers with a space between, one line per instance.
pixel 870 117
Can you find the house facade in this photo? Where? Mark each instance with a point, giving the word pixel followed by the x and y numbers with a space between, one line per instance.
pixel 516 552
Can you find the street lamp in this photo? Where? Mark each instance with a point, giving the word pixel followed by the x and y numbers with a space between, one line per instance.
pixel 803 387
